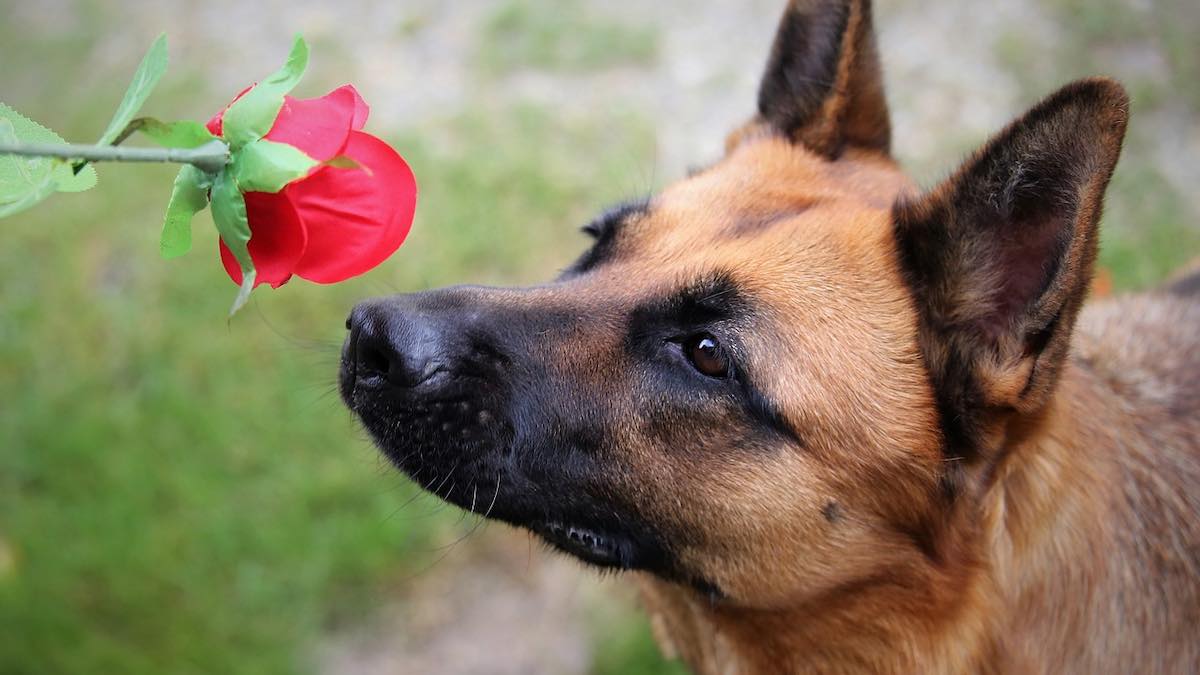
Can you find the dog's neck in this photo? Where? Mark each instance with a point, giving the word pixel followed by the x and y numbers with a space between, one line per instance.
pixel 1038 542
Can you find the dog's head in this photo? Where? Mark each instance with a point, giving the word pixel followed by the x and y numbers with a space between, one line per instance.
pixel 779 375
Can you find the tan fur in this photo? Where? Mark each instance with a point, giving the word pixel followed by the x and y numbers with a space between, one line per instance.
pixel 1089 528
pixel 1077 550
pixel 832 276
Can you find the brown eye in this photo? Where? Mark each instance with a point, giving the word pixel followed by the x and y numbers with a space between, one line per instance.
pixel 706 355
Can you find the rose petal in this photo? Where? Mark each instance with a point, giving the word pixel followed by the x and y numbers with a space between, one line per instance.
pixel 354 219
pixel 319 126
pixel 277 240
pixel 361 110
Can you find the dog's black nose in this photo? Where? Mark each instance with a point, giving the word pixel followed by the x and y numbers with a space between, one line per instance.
pixel 394 344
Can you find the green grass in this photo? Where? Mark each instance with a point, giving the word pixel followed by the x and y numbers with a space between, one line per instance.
pixel 526 34
pixel 505 191
pixel 1148 230
pixel 179 494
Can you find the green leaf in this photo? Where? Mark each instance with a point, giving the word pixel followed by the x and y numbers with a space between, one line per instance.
pixel 23 183
pixel 229 214
pixel 67 180
pixel 153 65
pixel 188 198
pixel 266 166
pixel 23 176
pixel 250 117
pixel 35 195
pixel 183 134
pixel 19 176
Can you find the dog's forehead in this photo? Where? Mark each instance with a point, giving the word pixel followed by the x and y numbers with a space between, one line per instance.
pixel 772 205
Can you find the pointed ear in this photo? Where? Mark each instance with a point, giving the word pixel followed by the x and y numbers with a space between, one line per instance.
pixel 999 257
pixel 822 86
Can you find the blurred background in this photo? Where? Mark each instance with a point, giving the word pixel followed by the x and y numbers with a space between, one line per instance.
pixel 179 494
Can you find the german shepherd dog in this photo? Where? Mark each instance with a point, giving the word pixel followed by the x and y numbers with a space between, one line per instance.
pixel 829 422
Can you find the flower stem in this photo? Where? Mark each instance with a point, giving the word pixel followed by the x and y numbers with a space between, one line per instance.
pixel 209 157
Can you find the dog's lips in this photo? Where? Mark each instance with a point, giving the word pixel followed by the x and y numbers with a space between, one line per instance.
pixel 588 544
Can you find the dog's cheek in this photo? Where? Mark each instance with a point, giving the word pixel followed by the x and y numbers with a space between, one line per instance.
pixel 769 529
pixel 734 507
pixel 768 533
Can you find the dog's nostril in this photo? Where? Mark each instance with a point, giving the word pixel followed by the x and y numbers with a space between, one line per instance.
pixel 372 359
pixel 380 359
pixel 398 345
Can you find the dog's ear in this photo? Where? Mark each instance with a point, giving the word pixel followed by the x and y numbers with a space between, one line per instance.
pixel 822 85
pixel 999 256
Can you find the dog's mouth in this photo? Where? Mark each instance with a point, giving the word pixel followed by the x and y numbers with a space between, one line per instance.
pixel 597 548
pixel 445 438
pixel 452 453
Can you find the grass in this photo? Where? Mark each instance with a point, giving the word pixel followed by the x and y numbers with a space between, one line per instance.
pixel 1148 230
pixel 160 514
pixel 182 495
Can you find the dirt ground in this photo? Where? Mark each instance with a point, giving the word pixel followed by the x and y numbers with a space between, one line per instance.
pixel 499 606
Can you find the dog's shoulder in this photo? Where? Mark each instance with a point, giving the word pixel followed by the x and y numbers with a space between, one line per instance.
pixel 1147 346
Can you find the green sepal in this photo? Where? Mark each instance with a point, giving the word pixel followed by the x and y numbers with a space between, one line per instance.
pixel 182 134
pixel 266 166
pixel 21 177
pixel 152 67
pixel 188 197
pixel 346 162
pixel 250 117
pixel 229 215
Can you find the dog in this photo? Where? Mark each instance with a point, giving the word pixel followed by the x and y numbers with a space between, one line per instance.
pixel 829 422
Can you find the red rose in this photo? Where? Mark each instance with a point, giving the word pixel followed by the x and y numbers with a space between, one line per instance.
pixel 334 223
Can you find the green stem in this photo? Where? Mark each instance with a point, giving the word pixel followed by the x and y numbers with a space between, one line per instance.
pixel 210 157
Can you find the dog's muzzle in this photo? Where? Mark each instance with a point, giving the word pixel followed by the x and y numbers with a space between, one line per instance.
pixel 426 384
pixel 453 386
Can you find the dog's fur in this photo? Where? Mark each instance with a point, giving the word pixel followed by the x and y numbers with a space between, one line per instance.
pixel 928 456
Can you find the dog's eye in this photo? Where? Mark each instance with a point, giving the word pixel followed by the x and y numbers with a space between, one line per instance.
pixel 706 355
